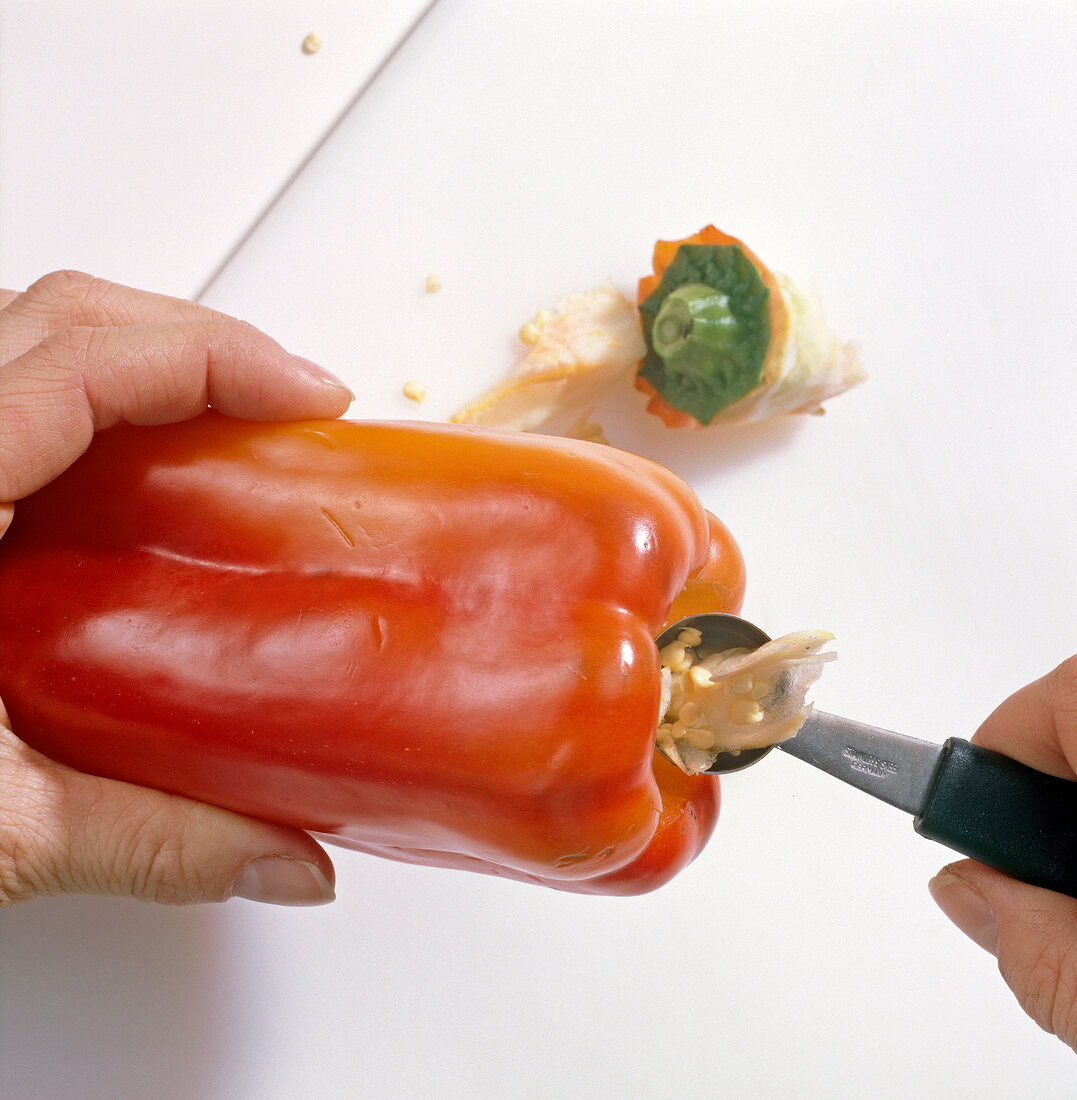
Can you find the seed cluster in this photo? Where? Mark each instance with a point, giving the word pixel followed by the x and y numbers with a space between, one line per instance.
pixel 697 702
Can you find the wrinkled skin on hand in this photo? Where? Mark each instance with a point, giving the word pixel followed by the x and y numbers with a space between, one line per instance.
pixel 77 354
pixel 1032 932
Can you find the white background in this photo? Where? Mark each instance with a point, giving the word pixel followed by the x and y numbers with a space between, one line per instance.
pixel 916 163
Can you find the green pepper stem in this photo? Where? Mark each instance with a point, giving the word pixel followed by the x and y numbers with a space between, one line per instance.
pixel 707 327
pixel 690 316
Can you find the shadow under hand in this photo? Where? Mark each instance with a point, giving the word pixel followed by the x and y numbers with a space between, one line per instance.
pixel 106 997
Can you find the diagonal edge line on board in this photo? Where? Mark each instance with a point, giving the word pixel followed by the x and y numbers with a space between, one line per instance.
pixel 236 248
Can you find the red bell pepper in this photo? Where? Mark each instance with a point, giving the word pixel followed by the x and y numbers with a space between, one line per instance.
pixel 429 642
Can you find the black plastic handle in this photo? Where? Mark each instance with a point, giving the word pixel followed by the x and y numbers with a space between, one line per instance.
pixel 1009 816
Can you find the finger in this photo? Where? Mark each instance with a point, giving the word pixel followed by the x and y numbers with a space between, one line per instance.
pixel 1038 724
pixel 7 296
pixel 1032 932
pixel 63 299
pixel 54 397
pixel 64 832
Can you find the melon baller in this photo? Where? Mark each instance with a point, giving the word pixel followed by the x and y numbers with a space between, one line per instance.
pixel 977 802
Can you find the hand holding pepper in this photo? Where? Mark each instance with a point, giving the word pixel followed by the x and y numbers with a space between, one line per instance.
pixel 78 354
pixel 1032 932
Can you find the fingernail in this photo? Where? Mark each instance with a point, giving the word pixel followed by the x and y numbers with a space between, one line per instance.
pixel 320 374
pixel 967 908
pixel 278 880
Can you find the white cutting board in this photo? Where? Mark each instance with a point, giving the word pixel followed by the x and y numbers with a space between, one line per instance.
pixel 142 141
pixel 913 161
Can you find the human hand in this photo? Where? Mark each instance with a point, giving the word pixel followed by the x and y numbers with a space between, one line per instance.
pixel 1032 932
pixel 78 354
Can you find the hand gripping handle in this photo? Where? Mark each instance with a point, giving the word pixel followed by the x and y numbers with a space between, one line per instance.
pixel 1002 813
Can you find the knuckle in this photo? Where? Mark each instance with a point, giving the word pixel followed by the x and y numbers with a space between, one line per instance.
pixel 25 872
pixel 233 337
pixel 62 832
pixel 66 350
pixel 70 297
pixel 64 285
pixel 32 840
pixel 1040 966
pixel 223 343
pixel 1039 984
pixel 1063 685
pixel 149 860
pixel 57 373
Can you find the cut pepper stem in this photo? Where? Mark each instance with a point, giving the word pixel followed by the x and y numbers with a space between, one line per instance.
pixel 693 317
pixel 707 326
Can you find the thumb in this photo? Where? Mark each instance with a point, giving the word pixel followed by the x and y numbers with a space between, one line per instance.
pixel 1032 932
pixel 64 832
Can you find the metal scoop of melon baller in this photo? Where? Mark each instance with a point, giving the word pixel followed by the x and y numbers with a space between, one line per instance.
pixel 977 802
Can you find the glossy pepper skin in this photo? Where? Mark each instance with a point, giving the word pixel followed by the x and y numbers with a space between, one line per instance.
pixel 428 642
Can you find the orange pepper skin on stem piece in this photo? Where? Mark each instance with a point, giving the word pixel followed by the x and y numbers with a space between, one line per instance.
pixel 428 642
